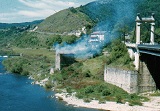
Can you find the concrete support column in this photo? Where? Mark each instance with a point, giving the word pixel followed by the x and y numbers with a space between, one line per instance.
pixel 105 73
pixel 136 62
pixel 57 62
pixel 138 31
pixel 152 33
pixel 131 52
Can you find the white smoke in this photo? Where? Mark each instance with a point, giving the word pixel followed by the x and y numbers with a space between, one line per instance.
pixel 124 13
pixel 82 48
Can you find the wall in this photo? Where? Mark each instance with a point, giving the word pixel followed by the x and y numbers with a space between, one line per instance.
pixel 148 70
pixel 148 73
pixel 63 60
pixel 126 80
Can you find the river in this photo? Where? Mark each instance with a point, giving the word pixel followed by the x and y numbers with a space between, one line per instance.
pixel 17 94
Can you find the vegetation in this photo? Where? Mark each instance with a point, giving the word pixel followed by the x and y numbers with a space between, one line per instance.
pixel 34 62
pixel 85 76
pixel 119 56
pixel 20 25
pixel 86 79
pixel 42 40
pixel 156 93
pixel 68 20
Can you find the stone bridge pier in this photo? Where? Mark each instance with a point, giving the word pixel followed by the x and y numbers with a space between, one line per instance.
pixel 149 73
pixel 63 59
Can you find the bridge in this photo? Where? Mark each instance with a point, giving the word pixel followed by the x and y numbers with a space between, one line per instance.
pixel 146 57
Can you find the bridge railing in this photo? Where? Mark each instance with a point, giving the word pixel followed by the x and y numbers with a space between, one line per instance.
pixel 130 44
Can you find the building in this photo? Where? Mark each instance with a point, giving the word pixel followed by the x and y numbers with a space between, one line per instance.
pixel 98 36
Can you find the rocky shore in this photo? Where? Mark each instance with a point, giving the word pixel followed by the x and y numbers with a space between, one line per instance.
pixel 71 99
pixel 152 105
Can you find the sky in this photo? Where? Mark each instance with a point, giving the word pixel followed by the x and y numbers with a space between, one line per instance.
pixel 17 11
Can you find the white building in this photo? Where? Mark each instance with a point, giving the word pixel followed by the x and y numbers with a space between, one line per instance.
pixel 97 36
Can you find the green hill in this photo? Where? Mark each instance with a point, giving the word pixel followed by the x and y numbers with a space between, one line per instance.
pixel 67 20
pixel 20 25
pixel 109 15
pixel 104 14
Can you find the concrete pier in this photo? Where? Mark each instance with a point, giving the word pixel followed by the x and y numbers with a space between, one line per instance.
pixel 58 61
pixel 138 32
pixel 152 33
pixel 63 60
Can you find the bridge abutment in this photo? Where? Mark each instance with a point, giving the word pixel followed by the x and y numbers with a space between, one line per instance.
pixel 145 80
pixel 126 80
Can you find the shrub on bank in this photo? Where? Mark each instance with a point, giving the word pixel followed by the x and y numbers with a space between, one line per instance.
pixel 16 65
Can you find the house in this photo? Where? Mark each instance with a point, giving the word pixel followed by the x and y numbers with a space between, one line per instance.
pixel 98 36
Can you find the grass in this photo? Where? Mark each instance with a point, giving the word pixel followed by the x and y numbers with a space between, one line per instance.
pixel 156 93
pixel 36 52
pixel 86 78
pixel 94 66
pixel 65 21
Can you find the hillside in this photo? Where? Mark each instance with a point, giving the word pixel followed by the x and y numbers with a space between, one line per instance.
pixel 67 20
pixel 110 15
pixel 101 14
pixel 118 17
pixel 24 24
pixel 84 76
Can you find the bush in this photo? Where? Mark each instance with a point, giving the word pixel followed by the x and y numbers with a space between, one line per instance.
pixel 119 99
pixel 135 102
pixel 119 55
pixel 69 90
pixel 69 39
pixel 16 65
pixel 79 95
pixel 25 72
pixel 156 93
pixel 89 89
pixel 87 100
pixel 73 10
pixel 48 85
pixel 87 73
pixel 105 92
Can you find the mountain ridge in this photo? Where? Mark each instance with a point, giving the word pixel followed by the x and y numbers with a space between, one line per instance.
pixel 9 25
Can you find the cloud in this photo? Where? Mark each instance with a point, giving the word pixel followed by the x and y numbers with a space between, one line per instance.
pixel 48 4
pixel 35 4
pixel 6 17
pixel 43 8
pixel 29 10
pixel 37 13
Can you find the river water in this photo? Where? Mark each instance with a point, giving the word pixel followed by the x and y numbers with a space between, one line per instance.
pixel 17 94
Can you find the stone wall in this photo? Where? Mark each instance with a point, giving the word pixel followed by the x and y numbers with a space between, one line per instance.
pixel 127 80
pixel 145 79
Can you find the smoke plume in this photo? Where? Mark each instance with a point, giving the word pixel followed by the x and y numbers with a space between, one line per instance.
pixel 120 13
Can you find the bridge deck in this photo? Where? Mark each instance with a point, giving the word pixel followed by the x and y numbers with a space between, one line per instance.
pixel 146 48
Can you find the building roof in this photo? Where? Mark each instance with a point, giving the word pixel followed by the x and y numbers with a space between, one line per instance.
pixel 98 33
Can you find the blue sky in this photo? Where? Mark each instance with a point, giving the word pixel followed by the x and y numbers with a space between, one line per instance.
pixel 15 11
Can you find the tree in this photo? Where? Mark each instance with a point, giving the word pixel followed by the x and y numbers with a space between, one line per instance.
pixel 119 52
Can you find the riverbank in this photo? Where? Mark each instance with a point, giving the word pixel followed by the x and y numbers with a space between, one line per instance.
pixel 152 105
pixel 79 77
pixel 71 99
